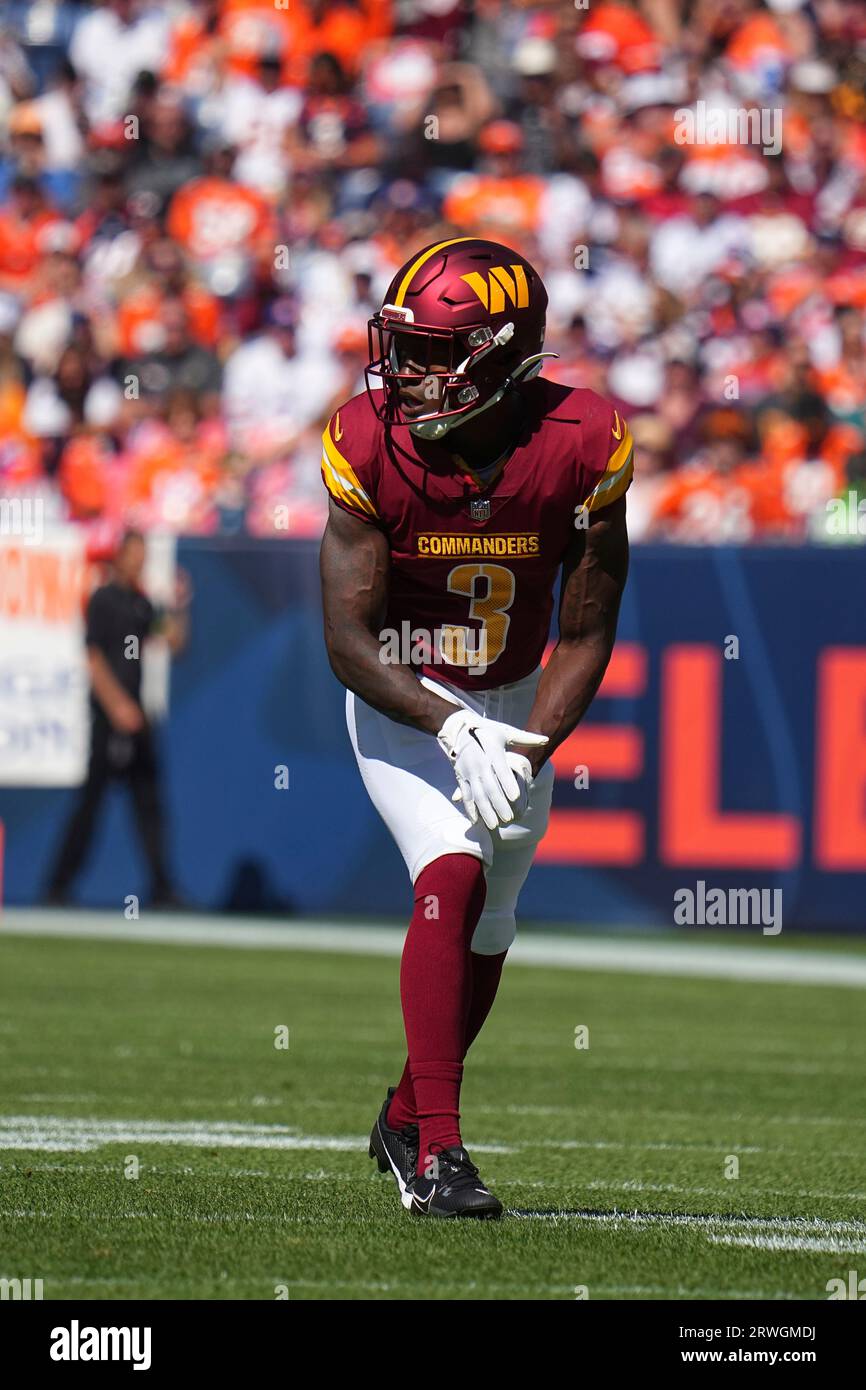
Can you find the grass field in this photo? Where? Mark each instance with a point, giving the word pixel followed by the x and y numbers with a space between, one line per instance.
pixel 253 1176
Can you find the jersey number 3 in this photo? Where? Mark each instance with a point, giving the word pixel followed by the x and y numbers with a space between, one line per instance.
pixel 479 647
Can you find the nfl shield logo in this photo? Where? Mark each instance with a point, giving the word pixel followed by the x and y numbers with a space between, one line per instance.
pixel 479 509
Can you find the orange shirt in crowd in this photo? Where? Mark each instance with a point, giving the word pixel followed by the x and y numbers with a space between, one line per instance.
pixel 847 286
pixel 22 243
pixel 699 503
pixel 843 386
pixel 139 314
pixel 85 476
pixel 162 454
pixel 12 398
pixel 489 205
pixel 249 28
pixel 771 496
pixel 20 460
pixel 344 31
pixel 757 36
pixel 210 216
pixel 190 48
pixel 616 34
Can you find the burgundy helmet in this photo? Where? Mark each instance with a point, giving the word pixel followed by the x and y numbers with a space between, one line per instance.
pixel 462 321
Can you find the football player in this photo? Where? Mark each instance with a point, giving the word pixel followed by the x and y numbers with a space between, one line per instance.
pixel 462 484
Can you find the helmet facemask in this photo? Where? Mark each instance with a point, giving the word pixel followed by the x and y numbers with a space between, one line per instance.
pixel 442 362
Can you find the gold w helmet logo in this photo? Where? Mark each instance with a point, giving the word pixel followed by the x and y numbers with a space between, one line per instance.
pixel 499 283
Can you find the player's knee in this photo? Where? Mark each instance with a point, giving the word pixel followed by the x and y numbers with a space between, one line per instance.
pixel 495 932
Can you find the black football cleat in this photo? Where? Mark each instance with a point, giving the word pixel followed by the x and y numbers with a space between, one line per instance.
pixel 457 1190
pixel 395 1150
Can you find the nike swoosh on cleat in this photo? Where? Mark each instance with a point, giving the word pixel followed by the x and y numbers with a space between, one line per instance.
pixel 394 1169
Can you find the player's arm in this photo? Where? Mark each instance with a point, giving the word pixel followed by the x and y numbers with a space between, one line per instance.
pixel 593 579
pixel 173 622
pixel 121 710
pixel 355 564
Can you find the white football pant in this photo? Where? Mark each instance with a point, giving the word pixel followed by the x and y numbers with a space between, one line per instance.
pixel 411 782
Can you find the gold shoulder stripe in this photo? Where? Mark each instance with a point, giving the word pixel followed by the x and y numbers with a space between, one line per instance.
pixel 340 477
pixel 612 485
pixel 344 494
pixel 621 453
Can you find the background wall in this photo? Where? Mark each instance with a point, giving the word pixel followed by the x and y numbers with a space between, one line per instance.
pixel 744 772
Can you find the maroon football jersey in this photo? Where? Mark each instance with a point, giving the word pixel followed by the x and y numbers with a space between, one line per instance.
pixel 474 564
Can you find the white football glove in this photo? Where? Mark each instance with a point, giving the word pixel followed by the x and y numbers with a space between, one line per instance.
pixel 522 769
pixel 485 772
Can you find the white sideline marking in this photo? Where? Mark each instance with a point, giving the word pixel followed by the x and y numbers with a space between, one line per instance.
pixel 791 1234
pixel 773 964
pixel 781 1232
pixel 67 1134
pixel 775 1243
pixel 59 1134
pixel 635 1185
pixel 63 1134
pixel 76 1135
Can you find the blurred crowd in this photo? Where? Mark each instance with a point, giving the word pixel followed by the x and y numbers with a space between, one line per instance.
pixel 203 201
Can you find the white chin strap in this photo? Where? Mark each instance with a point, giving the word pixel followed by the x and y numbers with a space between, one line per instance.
pixel 525 371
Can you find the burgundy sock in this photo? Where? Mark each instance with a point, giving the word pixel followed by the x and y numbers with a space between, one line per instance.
pixel 436 992
pixel 401 1111
pixel 486 974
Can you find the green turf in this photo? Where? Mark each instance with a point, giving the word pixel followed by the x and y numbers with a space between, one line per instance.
pixel 679 1074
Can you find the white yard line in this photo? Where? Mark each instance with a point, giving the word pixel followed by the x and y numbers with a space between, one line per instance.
pixel 774 1234
pixel 73 1134
pixel 635 1185
pixel 763 1232
pixel 78 1135
pixel 773 964
pixel 62 1134
pixel 784 1243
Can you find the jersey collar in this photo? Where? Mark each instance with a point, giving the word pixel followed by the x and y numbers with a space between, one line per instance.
pixel 435 469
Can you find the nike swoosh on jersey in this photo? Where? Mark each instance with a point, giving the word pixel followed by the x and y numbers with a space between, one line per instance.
pixel 338 433
pixel 616 427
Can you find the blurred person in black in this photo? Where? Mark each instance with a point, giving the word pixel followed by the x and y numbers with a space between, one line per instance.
pixel 122 744
pixel 178 363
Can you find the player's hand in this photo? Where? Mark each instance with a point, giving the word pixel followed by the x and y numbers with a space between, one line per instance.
pixel 182 590
pixel 127 717
pixel 486 780
pixel 522 769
